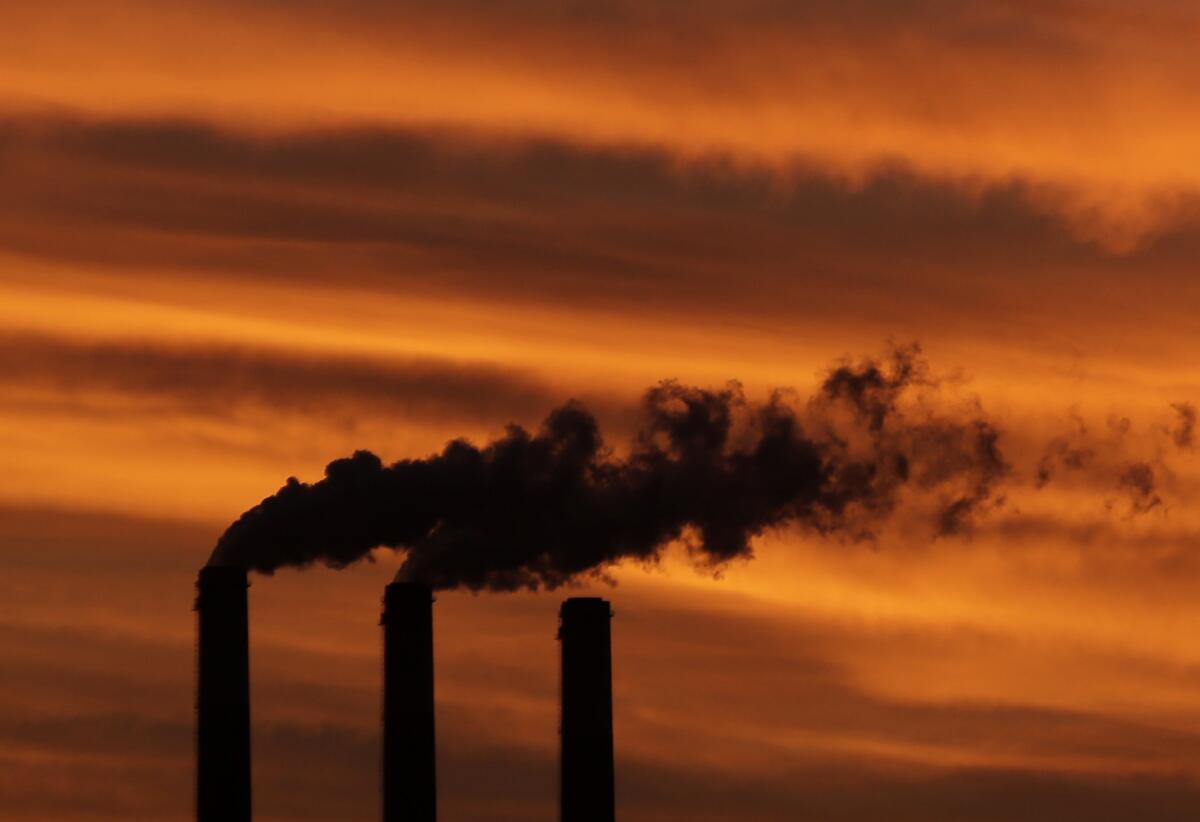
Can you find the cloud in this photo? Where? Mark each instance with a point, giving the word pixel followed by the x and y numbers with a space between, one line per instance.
pixel 991 90
pixel 220 380
pixel 537 221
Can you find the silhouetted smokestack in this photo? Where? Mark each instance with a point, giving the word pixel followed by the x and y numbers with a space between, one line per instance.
pixel 587 783
pixel 223 696
pixel 409 774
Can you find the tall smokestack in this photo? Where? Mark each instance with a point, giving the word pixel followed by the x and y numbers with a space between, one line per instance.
pixel 223 696
pixel 409 775
pixel 586 769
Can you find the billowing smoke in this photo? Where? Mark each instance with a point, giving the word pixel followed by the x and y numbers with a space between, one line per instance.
pixel 707 469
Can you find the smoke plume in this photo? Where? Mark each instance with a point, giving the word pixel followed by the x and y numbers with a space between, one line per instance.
pixel 1133 467
pixel 707 468
pixel 1184 432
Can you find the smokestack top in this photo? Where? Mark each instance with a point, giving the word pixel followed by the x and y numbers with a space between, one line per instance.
pixel 580 606
pixel 219 581
pixel 221 575
pixel 405 598
pixel 583 610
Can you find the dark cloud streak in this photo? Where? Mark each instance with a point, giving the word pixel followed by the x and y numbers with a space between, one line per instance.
pixel 214 379
pixel 454 211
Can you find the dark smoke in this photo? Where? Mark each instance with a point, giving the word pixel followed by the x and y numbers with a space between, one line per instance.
pixel 1142 486
pixel 1184 432
pixel 1137 480
pixel 707 468
pixel 1069 451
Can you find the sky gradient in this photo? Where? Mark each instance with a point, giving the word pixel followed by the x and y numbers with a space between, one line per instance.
pixel 239 240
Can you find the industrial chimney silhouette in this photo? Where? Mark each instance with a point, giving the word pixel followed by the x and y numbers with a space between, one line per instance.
pixel 409 774
pixel 222 696
pixel 586 791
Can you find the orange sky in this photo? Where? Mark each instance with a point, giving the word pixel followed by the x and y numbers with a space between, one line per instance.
pixel 240 240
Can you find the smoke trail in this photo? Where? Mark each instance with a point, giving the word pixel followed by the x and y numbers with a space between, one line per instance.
pixel 1135 468
pixel 707 467
pixel 1184 432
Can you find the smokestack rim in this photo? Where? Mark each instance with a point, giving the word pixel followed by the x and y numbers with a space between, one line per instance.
pixel 583 611
pixel 220 581
pixel 221 574
pixel 405 597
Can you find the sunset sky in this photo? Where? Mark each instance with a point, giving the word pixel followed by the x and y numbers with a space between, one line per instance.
pixel 241 239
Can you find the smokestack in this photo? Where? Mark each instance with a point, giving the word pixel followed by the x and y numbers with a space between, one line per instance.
pixel 223 696
pixel 586 769
pixel 409 775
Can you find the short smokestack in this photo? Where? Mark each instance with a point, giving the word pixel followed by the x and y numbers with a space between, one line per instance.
pixel 222 696
pixel 409 773
pixel 586 791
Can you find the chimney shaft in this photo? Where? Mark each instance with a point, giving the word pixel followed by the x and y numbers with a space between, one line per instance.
pixel 409 773
pixel 222 697
pixel 586 770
